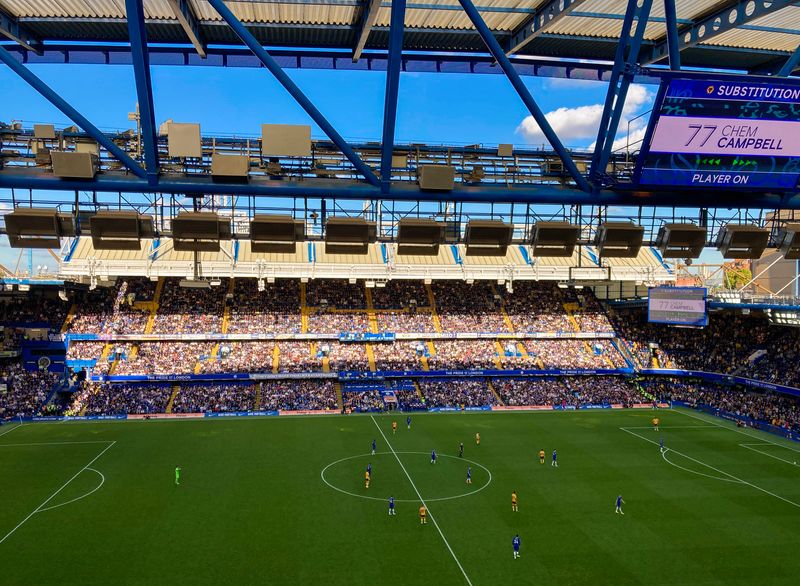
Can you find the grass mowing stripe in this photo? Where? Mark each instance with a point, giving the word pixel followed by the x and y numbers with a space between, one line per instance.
pixel 63 486
pixel 750 435
pixel 764 490
pixel 414 486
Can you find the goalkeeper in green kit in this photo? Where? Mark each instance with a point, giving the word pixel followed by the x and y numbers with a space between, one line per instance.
pixel 177 475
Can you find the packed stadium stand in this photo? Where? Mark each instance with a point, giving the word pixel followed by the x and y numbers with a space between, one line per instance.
pixel 147 347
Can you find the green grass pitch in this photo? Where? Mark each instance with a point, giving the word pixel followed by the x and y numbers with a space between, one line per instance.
pixel 96 502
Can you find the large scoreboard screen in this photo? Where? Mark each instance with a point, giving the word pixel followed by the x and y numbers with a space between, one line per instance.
pixel 684 306
pixel 724 134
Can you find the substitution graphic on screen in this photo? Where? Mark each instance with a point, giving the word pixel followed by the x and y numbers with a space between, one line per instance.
pixel 677 305
pixel 724 134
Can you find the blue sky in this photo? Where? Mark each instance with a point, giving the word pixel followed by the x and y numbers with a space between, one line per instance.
pixel 433 108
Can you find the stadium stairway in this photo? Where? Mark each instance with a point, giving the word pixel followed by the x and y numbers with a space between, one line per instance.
pixel 148 329
pixel 623 349
pixel 175 390
pixel 113 368
pixel 104 353
pixel 257 402
pixel 500 352
pixel 419 392
pixel 437 324
pixel 503 312
pixel 339 400
pixel 373 320
pixel 276 359
pixel 303 309
pixel 70 316
pixel 494 392
pixel 371 357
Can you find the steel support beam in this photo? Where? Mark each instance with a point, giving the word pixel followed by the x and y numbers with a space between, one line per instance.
pixel 791 64
pixel 51 96
pixel 270 63
pixel 671 17
pixel 144 87
pixel 10 27
pixel 733 15
pixel 637 13
pixel 392 91
pixel 190 23
pixel 115 182
pixel 524 94
pixel 546 15
pixel 369 14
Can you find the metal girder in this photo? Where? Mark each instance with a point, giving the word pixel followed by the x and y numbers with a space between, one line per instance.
pixel 392 91
pixel 671 17
pixel 524 94
pixel 269 62
pixel 144 86
pixel 190 24
pixel 638 12
pixel 51 96
pixel 546 15
pixel 791 64
pixel 10 27
pixel 369 14
pixel 116 182
pixel 720 21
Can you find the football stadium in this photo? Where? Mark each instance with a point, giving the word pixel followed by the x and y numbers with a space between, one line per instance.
pixel 381 291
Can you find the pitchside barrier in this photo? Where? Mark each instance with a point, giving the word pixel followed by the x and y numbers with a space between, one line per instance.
pixel 721 378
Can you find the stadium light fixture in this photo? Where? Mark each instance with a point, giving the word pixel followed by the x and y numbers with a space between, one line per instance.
pixel 38 227
pixel 488 237
pixel 554 239
pixel 790 241
pixel 619 239
pixel 742 241
pixel 681 240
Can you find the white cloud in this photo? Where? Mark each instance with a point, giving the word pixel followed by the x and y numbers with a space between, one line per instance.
pixel 577 125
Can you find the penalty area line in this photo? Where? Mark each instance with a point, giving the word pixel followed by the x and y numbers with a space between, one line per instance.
pixel 40 508
pixel 734 478
pixel 12 429
pixel 750 447
pixel 430 514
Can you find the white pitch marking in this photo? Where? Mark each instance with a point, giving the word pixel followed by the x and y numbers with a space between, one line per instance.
pixel 375 498
pixel 750 435
pixel 63 486
pixel 764 490
pixel 430 514
pixel 12 429
pixel 749 447
pixel 94 490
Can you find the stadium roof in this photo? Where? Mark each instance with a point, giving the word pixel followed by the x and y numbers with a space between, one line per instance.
pixel 744 35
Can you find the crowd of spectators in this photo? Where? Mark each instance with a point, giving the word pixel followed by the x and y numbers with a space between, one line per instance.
pixel 84 350
pixel 26 391
pixel 170 357
pixel 240 357
pixel 276 309
pixel 535 306
pixel 532 391
pixel 362 401
pixel 297 357
pixel 188 310
pixel 568 353
pixel 346 356
pixel 590 315
pixel 400 355
pixel 601 390
pixel 134 399
pixel 109 310
pixel 203 398
pixel 471 392
pixel 468 308
pixel 330 321
pixel 463 355
pixel 298 395
pixel 409 400
pixel 773 408
pixel 334 293
pixel 411 321
pixel 400 294
pixel 34 309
